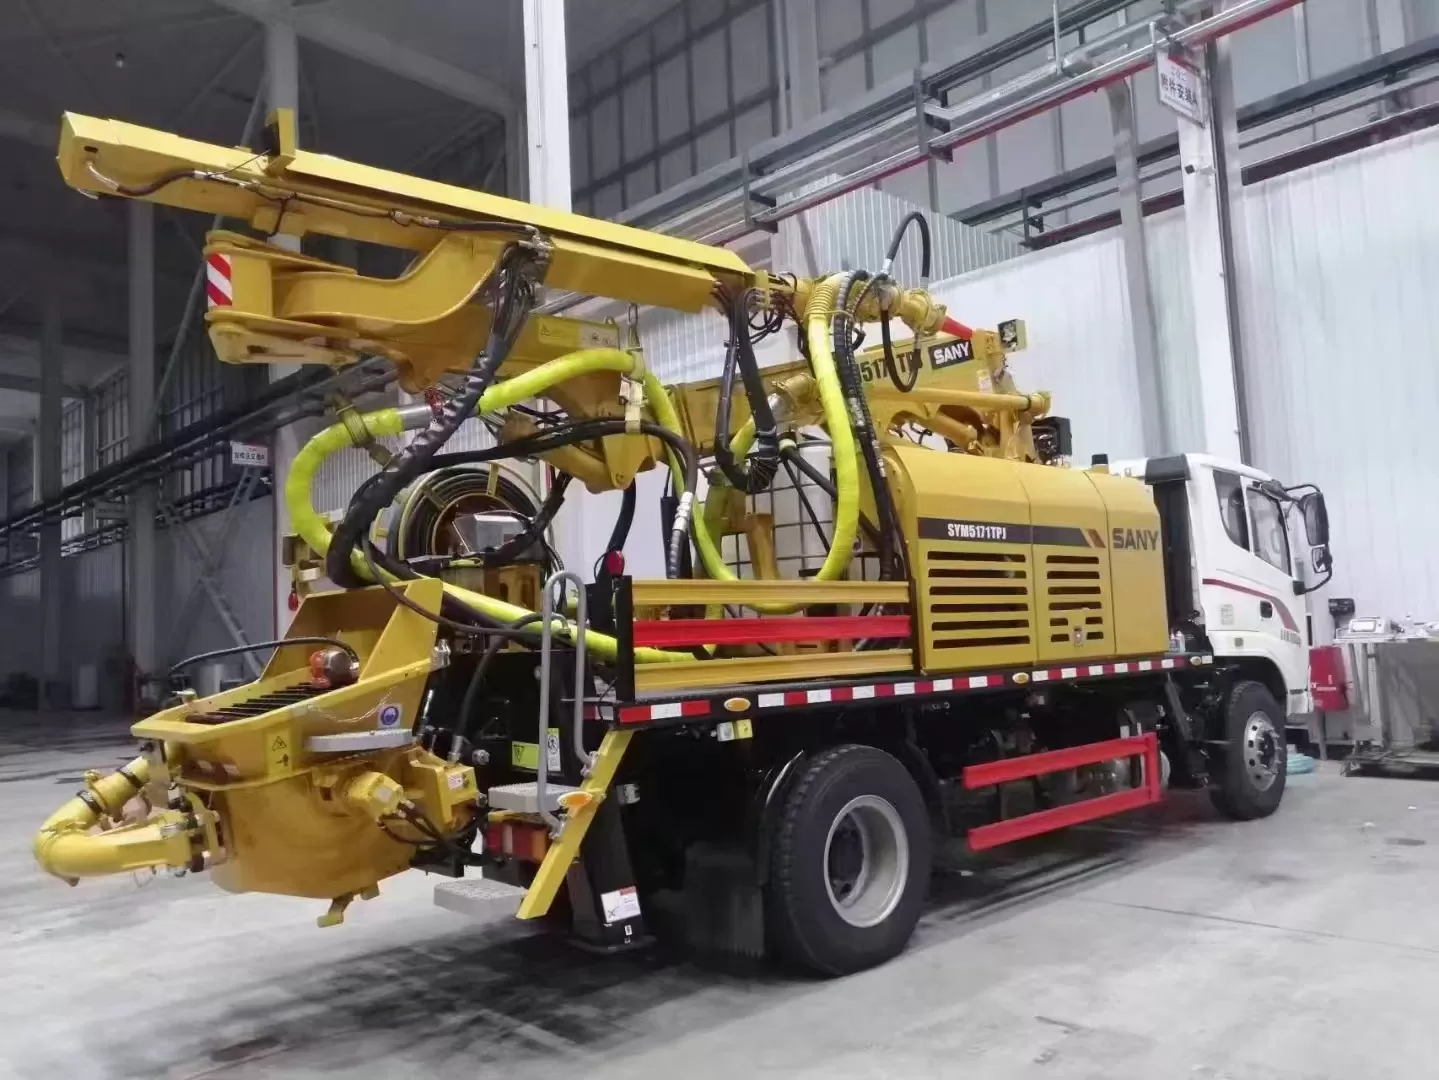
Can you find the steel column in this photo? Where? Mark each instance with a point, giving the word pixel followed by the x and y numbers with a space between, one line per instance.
pixel 282 91
pixel 547 104
pixel 801 39
pixel 1208 217
pixel 140 589
pixel 1142 324
pixel 48 460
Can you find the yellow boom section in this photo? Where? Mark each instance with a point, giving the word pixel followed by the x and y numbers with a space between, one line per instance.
pixel 296 192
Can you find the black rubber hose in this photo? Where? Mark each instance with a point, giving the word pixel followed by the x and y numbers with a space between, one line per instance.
pixel 472 689
pixel 863 421
pixel 620 534
pixel 914 217
pixel 235 650
pixel 534 531
pixel 580 431
pixel 510 311
pixel 739 353
pixel 791 454
pixel 586 430
pixel 901 384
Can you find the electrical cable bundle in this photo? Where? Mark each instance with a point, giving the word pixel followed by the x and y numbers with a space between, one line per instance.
pixel 739 354
pixel 891 540
pixel 516 296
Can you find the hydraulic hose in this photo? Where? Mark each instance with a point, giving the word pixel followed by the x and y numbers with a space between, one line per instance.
pixel 315 530
pixel 510 310
pixel 914 217
pixel 740 352
pixel 869 445
pixel 836 418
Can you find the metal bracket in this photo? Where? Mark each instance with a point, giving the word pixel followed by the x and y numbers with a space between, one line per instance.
pixel 347 415
pixel 925 122
pixel 751 197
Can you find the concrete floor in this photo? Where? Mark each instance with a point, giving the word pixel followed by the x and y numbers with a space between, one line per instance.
pixel 1173 945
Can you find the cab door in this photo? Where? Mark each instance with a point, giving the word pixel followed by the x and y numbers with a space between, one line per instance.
pixel 1247 582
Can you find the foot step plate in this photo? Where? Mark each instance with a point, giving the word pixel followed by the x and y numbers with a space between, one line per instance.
pixel 479 898
pixel 524 798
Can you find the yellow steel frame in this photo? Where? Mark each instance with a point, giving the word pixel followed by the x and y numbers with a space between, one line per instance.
pixel 566 846
pixel 708 674
pixel 667 593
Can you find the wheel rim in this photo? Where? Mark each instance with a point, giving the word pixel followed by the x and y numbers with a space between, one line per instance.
pixel 866 861
pixel 1263 751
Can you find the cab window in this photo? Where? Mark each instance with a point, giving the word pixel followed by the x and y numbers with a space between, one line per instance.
pixel 1271 539
pixel 1230 489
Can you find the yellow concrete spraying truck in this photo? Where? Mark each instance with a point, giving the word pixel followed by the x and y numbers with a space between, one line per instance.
pixel 887 613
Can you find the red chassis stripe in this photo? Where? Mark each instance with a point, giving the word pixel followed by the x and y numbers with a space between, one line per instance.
pixel 1284 616
pixel 669 632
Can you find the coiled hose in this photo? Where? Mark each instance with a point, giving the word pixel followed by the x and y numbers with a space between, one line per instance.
pixel 510 311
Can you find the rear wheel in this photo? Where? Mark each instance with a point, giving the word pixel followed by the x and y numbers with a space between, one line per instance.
pixel 850 862
pixel 1251 777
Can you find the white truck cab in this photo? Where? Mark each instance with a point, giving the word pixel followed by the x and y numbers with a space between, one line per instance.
pixel 1230 533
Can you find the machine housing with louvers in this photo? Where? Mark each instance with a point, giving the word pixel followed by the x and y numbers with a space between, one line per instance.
pixel 1019 563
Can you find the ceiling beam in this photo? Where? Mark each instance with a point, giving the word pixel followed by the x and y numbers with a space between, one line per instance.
pixel 43 134
pixel 29 384
pixel 343 36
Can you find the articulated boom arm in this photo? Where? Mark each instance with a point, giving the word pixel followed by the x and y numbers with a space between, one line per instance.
pixel 284 307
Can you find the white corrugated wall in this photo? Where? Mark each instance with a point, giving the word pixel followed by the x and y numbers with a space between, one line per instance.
pixel 1341 361
pixel 850 232
pixel 1075 306
pixel 93 588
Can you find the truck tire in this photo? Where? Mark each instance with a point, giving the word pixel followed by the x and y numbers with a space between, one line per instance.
pixel 849 862
pixel 1251 776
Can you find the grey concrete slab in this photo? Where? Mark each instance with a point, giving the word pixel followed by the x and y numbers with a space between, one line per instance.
pixel 1167 945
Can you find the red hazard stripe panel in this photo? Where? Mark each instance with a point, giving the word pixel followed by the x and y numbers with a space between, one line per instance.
pixel 674 710
pixel 666 633
pixel 218 287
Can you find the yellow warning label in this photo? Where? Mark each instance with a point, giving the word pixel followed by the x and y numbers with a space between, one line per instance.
pixel 526 755
pixel 559 332
pixel 743 729
pixel 279 751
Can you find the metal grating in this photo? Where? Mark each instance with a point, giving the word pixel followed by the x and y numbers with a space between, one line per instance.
pixel 258 706
pixel 1074 598
pixel 978 600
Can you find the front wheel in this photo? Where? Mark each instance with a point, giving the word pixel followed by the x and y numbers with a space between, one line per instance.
pixel 850 862
pixel 1252 774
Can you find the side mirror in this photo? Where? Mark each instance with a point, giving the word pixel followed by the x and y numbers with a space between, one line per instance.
pixel 1316 519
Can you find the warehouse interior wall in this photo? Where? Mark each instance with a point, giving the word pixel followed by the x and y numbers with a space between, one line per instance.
pixel 1340 344
pixel 700 85
pixel 93 590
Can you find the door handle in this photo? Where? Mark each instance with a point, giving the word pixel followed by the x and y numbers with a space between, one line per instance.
pixel 1266 609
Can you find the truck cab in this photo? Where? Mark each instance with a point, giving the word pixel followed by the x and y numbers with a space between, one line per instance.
pixel 1232 538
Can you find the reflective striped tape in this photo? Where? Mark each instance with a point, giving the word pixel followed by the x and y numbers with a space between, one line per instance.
pixel 219 289
pixel 638 714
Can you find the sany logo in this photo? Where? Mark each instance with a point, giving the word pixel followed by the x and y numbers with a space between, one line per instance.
pixel 1140 539
pixel 954 352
